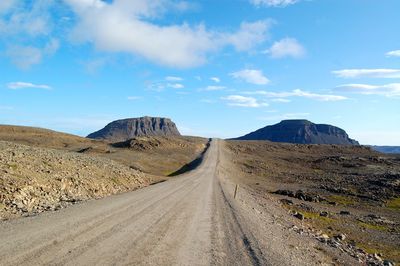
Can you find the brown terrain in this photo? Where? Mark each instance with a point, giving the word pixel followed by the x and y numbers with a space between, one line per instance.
pixel 47 170
pixel 295 204
pixel 347 196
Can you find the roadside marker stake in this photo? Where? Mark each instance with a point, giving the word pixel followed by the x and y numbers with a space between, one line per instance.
pixel 236 190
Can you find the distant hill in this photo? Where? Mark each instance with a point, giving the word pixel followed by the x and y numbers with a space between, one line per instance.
pixel 125 129
pixel 45 138
pixel 302 132
pixel 387 149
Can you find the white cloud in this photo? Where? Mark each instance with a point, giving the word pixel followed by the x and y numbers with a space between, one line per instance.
pixel 159 86
pixel 26 85
pixel 51 47
pixel 6 5
pixel 214 88
pixel 273 3
pixel 248 35
pixel 23 17
pixel 388 90
pixel 172 78
pixel 216 79
pixel 25 57
pixel 243 101
pixel 175 85
pixel 281 100
pixel 301 93
pixel 128 26
pixel 94 65
pixel 287 47
pixel 395 53
pixel 252 76
pixel 367 73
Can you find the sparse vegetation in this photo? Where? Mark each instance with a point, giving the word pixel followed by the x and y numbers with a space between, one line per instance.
pixel 374 226
pixel 352 200
pixel 343 200
pixel 394 204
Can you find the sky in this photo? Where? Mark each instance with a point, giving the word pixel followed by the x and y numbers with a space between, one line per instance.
pixel 216 68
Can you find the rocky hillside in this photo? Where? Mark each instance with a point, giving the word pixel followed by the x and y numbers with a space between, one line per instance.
pixel 33 180
pixel 122 130
pixel 301 132
pixel 153 155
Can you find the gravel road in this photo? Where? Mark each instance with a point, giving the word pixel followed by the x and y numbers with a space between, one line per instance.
pixel 191 219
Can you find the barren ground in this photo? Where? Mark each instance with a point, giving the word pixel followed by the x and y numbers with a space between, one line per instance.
pixel 190 219
pixel 336 190
pixel 296 204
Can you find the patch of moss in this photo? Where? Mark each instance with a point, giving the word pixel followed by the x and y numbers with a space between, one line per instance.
pixel 373 226
pixel 394 204
pixel 368 248
pixel 343 200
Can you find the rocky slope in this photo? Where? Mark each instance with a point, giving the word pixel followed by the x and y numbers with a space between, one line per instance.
pixel 33 180
pixel 122 130
pixel 153 155
pixel 302 132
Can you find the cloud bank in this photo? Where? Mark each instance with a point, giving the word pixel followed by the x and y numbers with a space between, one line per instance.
pixel 388 90
pixel 128 26
pixel 273 3
pixel 301 93
pixel 26 85
pixel 243 101
pixel 367 73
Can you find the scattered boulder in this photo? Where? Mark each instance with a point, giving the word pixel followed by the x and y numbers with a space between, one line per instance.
pixel 324 214
pixel 301 195
pixel 323 238
pixel 287 201
pixel 340 237
pixel 298 215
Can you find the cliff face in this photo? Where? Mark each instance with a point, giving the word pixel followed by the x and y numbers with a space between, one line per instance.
pixel 125 129
pixel 302 132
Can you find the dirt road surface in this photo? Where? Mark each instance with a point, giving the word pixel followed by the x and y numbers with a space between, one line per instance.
pixel 191 219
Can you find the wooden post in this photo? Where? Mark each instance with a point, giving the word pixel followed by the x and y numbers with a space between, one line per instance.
pixel 236 190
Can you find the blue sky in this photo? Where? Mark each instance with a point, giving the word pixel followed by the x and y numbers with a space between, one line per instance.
pixel 217 68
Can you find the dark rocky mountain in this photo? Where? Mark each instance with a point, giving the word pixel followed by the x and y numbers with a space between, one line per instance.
pixel 125 129
pixel 302 132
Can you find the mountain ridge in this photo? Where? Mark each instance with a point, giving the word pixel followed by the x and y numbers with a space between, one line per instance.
pixel 301 131
pixel 128 128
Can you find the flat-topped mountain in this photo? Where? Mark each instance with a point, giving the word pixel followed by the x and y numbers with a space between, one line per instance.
pixel 302 132
pixel 124 129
